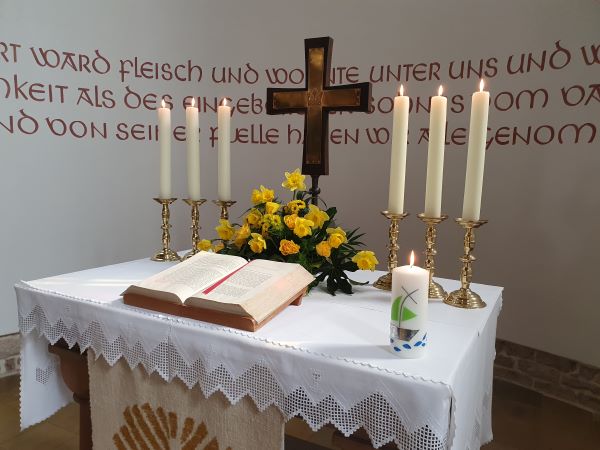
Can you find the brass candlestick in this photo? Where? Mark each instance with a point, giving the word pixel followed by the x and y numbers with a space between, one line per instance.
pixel 435 290
pixel 166 254
pixel 465 297
pixel 225 205
pixel 195 227
pixel 385 282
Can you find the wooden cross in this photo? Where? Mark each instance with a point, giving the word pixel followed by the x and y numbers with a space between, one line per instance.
pixel 316 100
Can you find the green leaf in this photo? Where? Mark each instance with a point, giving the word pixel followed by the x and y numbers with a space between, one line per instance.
pixel 331 285
pixel 345 286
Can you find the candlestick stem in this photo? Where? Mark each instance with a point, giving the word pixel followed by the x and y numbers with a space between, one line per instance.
pixel 224 205
pixel 465 297
pixel 166 254
pixel 435 290
pixel 385 282
pixel 195 227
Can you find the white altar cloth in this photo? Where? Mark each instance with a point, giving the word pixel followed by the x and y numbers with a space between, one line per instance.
pixel 327 360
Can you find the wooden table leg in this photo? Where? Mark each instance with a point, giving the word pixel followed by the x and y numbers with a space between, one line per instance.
pixel 74 370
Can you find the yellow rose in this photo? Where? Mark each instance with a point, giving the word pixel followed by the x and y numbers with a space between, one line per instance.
pixel 288 247
pixel 257 243
pixel 317 216
pixel 290 220
pixel 271 207
pixel 294 206
pixel 337 237
pixel 303 227
pixel 262 196
pixel 218 247
pixel 204 245
pixel 225 230
pixel 254 217
pixel 365 260
pixel 323 249
pixel 294 180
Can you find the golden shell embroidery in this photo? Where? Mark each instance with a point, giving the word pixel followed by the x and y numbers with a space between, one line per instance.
pixel 149 429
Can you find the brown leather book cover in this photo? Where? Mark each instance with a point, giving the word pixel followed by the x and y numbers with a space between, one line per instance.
pixel 246 323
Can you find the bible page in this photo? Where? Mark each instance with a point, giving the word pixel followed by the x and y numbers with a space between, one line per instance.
pixel 245 284
pixel 193 275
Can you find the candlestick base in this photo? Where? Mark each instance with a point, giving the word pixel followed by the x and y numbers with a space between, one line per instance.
pixel 195 227
pixel 385 281
pixel 465 297
pixel 165 254
pixel 225 205
pixel 435 290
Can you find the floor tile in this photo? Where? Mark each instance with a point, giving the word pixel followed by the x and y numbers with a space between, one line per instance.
pixel 43 436
pixel 67 418
pixel 9 420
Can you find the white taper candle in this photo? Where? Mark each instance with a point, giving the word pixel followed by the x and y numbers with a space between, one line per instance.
pixel 224 137
pixel 164 141
pixel 398 156
pixel 193 150
pixel 480 104
pixel 435 156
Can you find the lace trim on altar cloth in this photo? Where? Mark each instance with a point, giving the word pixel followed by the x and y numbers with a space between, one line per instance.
pixel 25 285
pixel 374 413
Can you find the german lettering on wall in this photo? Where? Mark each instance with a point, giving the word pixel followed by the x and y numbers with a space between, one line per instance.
pixel 94 67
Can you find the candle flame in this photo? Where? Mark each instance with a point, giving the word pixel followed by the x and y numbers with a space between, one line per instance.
pixel 440 90
pixel 162 103
pixel 193 101
pixel 224 102
pixel 401 89
pixel 412 258
pixel 481 85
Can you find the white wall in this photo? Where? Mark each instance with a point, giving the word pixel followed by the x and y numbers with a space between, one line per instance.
pixel 76 203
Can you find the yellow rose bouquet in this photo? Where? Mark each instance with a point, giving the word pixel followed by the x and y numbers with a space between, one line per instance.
pixel 296 232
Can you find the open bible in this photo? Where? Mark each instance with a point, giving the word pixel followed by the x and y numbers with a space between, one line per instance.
pixel 223 289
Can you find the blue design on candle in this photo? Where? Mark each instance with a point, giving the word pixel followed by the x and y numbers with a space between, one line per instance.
pixel 418 343
pixel 397 349
pixel 406 346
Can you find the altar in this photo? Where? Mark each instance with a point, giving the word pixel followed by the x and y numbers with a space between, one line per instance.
pixel 327 361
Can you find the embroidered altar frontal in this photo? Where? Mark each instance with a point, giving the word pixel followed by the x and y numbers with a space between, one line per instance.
pixel 133 410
